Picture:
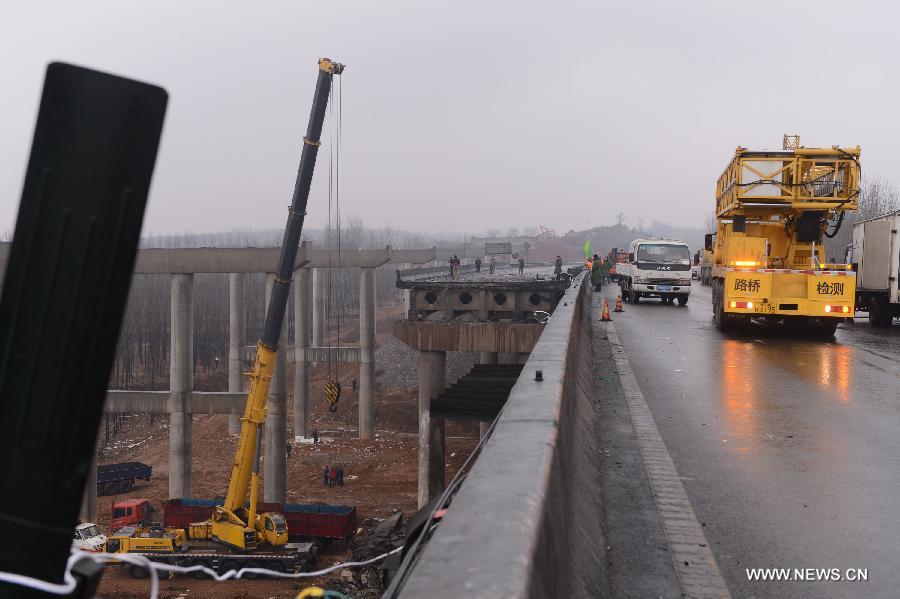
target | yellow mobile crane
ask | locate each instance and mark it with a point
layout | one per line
(236, 537)
(231, 523)
(773, 209)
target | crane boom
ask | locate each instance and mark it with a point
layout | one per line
(226, 525)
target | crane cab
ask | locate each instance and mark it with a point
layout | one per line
(273, 528)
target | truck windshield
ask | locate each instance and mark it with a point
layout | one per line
(663, 253)
(118, 512)
(90, 531)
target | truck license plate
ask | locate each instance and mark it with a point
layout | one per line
(664, 287)
(764, 308)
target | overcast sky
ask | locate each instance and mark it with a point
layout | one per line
(465, 116)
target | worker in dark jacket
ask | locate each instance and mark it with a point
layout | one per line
(477, 264)
(557, 268)
(325, 475)
(597, 273)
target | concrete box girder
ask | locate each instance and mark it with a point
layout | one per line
(468, 336)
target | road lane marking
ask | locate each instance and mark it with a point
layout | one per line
(694, 562)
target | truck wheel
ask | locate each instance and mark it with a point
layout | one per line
(228, 565)
(719, 318)
(125, 486)
(879, 313)
(827, 329)
(275, 566)
(198, 574)
(682, 300)
(633, 296)
(821, 327)
(252, 575)
(139, 572)
(110, 488)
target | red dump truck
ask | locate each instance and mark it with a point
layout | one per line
(306, 522)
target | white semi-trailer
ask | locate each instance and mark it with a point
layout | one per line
(875, 256)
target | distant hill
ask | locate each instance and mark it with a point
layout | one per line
(604, 238)
(620, 236)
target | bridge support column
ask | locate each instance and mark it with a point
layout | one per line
(367, 353)
(318, 311)
(302, 297)
(181, 384)
(235, 340)
(276, 418)
(89, 500)
(486, 357)
(432, 379)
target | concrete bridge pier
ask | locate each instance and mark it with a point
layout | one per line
(302, 297)
(181, 384)
(367, 353)
(274, 475)
(432, 380)
(235, 340)
(320, 291)
(89, 500)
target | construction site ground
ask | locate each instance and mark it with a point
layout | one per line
(380, 474)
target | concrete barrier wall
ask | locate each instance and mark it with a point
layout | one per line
(527, 520)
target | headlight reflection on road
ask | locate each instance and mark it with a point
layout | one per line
(834, 369)
(738, 392)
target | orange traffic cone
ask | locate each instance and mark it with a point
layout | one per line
(619, 304)
(605, 315)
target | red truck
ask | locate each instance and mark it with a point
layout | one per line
(131, 512)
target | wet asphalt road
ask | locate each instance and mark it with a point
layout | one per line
(788, 447)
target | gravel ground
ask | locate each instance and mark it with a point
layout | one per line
(398, 365)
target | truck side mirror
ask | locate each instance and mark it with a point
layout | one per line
(631, 256)
(739, 223)
(707, 242)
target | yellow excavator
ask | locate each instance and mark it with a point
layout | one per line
(231, 523)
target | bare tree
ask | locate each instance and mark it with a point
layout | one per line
(877, 196)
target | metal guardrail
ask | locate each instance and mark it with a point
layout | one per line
(526, 521)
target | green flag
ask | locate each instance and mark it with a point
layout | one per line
(587, 248)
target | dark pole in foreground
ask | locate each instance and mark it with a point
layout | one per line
(64, 295)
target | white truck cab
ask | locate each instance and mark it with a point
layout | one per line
(657, 268)
(88, 537)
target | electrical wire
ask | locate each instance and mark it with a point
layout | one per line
(69, 583)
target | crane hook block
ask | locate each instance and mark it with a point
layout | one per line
(332, 391)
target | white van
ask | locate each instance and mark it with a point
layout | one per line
(657, 268)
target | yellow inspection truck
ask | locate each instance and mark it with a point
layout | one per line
(774, 208)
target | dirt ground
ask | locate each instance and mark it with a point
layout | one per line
(380, 474)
